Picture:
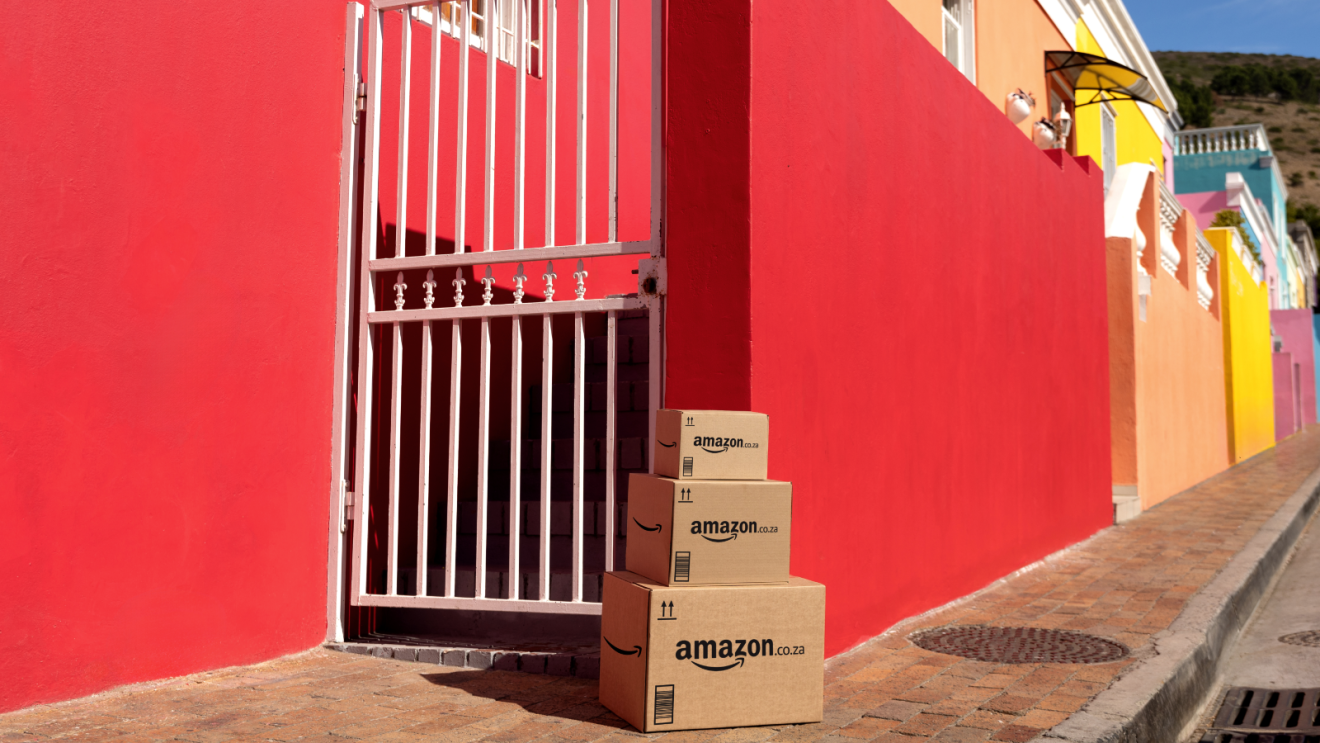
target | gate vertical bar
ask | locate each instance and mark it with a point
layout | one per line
(367, 287)
(483, 453)
(456, 333)
(400, 235)
(405, 94)
(580, 208)
(490, 29)
(549, 61)
(521, 19)
(611, 383)
(451, 491)
(460, 186)
(579, 402)
(424, 446)
(396, 405)
(547, 413)
(515, 462)
(348, 175)
(655, 315)
(428, 347)
(614, 121)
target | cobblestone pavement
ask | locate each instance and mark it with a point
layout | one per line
(1127, 583)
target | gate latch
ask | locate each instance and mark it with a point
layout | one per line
(652, 278)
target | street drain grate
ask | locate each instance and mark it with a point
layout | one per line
(1019, 645)
(1307, 639)
(1267, 716)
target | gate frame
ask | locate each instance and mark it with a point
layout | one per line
(652, 271)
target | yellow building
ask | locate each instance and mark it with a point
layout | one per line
(1244, 305)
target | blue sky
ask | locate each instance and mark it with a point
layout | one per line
(1261, 26)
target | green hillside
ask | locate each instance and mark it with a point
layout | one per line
(1228, 89)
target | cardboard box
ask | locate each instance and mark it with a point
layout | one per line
(703, 532)
(711, 444)
(712, 656)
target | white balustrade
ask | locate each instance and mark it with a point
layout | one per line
(1170, 211)
(1204, 254)
(1223, 139)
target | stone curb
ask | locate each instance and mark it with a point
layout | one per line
(1159, 698)
(552, 664)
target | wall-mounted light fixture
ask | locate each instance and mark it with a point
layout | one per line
(1063, 127)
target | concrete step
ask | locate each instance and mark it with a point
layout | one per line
(581, 662)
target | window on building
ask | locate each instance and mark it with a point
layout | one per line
(959, 36)
(506, 35)
(1108, 145)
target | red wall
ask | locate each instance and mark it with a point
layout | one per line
(924, 311)
(170, 190)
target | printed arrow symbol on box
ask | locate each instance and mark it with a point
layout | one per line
(717, 668)
(657, 527)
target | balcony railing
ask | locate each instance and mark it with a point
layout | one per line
(1204, 254)
(1223, 139)
(1170, 210)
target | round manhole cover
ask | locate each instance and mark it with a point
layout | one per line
(1307, 639)
(1019, 645)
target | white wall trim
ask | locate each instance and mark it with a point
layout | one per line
(1124, 199)
(1064, 14)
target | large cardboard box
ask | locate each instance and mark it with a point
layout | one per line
(712, 656)
(703, 532)
(711, 444)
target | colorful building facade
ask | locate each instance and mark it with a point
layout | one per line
(1248, 347)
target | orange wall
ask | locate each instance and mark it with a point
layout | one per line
(1168, 414)
(924, 15)
(1012, 37)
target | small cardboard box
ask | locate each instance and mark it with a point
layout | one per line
(711, 444)
(704, 532)
(712, 656)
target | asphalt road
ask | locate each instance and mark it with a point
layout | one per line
(1259, 659)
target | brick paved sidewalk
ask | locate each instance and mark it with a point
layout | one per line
(1127, 583)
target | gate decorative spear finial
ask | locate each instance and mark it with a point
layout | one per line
(399, 286)
(549, 277)
(430, 288)
(458, 283)
(580, 275)
(518, 280)
(487, 295)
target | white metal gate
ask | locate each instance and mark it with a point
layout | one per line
(382, 321)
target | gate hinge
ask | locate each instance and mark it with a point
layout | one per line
(346, 497)
(360, 103)
(652, 278)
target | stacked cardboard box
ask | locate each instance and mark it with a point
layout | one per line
(709, 629)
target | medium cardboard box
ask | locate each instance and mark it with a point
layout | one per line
(703, 532)
(712, 656)
(711, 444)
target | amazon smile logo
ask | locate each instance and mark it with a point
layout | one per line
(657, 527)
(724, 531)
(728, 654)
(667, 446)
(637, 649)
(719, 445)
